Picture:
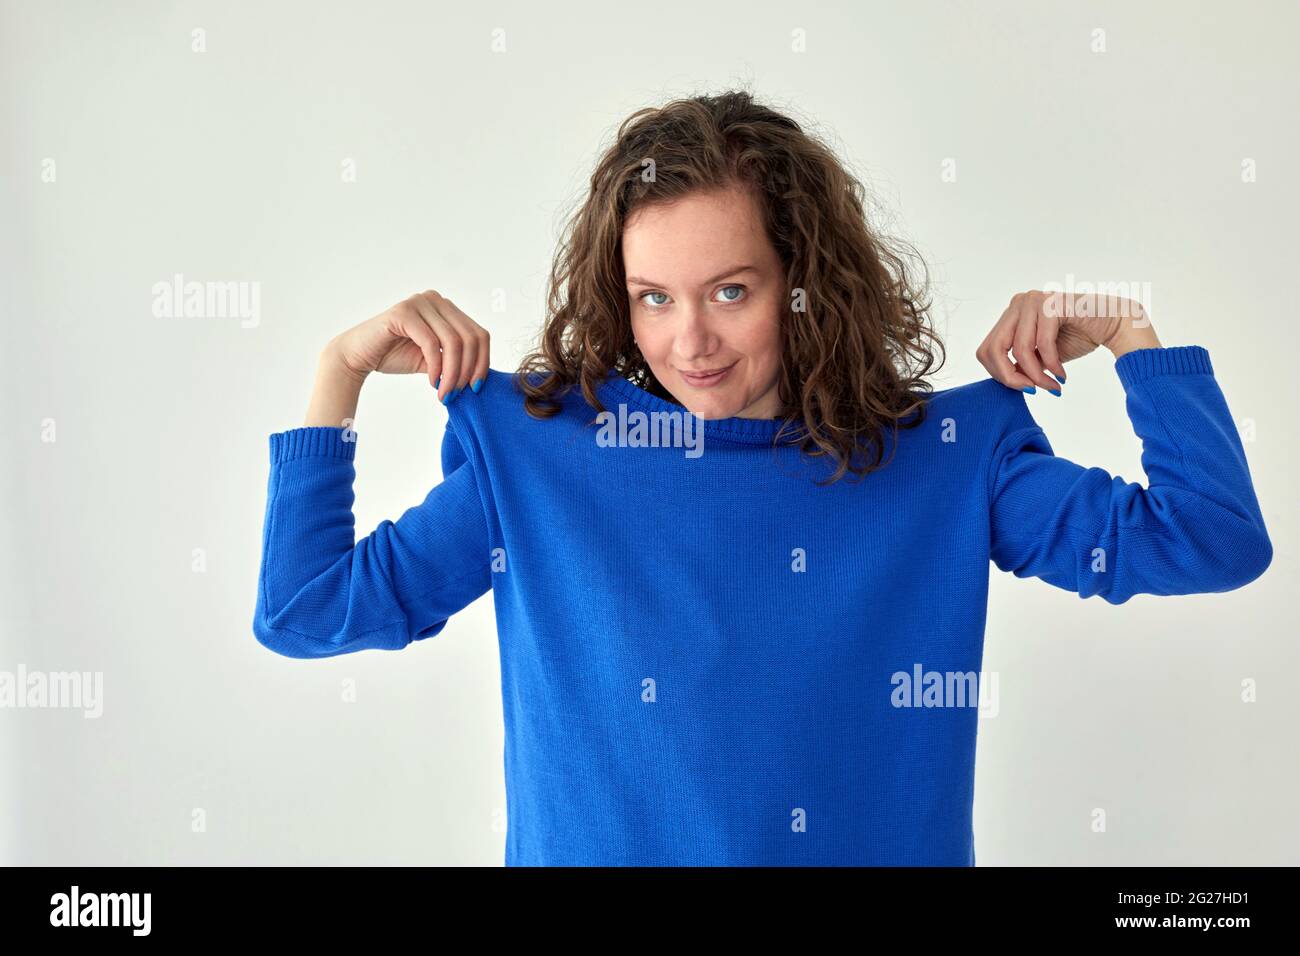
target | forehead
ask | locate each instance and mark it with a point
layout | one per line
(693, 236)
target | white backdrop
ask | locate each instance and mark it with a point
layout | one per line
(338, 158)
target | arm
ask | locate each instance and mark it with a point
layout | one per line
(320, 594)
(1196, 527)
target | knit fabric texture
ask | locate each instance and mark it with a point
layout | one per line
(709, 659)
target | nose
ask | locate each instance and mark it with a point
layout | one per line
(695, 338)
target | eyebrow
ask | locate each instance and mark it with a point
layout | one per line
(734, 270)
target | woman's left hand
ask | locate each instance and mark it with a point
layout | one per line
(1044, 330)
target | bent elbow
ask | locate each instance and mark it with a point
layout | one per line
(348, 638)
(1211, 567)
(1238, 566)
(1220, 549)
(286, 641)
(1254, 560)
(279, 641)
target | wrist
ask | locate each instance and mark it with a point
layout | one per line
(1134, 332)
(331, 364)
(336, 392)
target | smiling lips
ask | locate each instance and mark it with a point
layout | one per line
(705, 379)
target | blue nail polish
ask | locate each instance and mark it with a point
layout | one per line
(478, 383)
(1030, 389)
(452, 397)
(1059, 378)
(437, 383)
(1055, 391)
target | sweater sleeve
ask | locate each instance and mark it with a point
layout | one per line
(1195, 528)
(320, 594)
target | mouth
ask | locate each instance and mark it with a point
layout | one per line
(706, 378)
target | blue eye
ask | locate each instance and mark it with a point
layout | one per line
(740, 289)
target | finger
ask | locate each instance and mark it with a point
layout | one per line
(417, 330)
(1049, 329)
(992, 353)
(477, 366)
(448, 340)
(1024, 347)
(464, 327)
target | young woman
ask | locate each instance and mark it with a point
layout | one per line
(739, 549)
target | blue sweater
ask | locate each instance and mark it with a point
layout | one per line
(706, 658)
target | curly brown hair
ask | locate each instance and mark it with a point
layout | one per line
(854, 356)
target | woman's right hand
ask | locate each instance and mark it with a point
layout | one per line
(427, 334)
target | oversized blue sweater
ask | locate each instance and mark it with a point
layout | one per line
(708, 659)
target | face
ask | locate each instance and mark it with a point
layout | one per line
(706, 291)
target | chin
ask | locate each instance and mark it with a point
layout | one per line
(712, 410)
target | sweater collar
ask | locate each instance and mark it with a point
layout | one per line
(750, 431)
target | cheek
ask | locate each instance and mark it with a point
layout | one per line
(647, 339)
(761, 340)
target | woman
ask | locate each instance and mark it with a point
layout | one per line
(738, 548)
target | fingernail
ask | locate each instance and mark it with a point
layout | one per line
(452, 397)
(1055, 391)
(437, 383)
(1029, 388)
(478, 383)
(1059, 378)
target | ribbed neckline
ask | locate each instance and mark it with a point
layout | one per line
(751, 431)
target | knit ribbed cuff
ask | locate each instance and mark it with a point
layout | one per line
(319, 441)
(1142, 364)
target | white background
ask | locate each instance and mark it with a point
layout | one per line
(1122, 165)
